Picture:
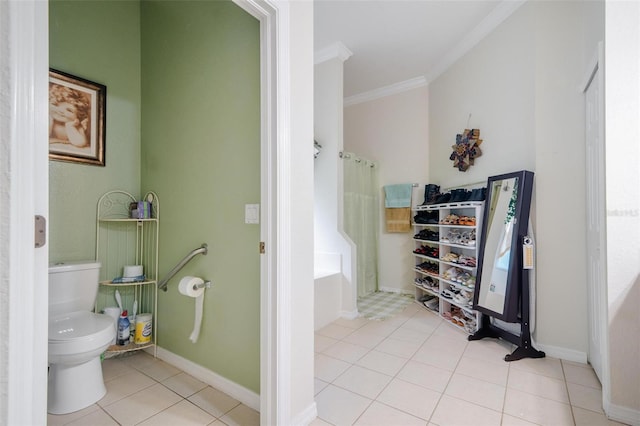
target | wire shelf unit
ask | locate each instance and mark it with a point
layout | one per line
(120, 241)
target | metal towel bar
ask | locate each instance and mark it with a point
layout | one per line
(203, 249)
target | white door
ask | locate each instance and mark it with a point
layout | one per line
(23, 268)
(596, 274)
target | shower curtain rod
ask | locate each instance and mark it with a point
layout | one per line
(345, 155)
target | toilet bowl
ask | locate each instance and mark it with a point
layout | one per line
(76, 341)
(77, 338)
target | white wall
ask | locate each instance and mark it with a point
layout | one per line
(393, 132)
(494, 83)
(328, 189)
(560, 158)
(521, 85)
(300, 210)
(622, 68)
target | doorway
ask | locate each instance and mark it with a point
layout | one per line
(31, 68)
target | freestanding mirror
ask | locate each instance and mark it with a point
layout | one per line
(502, 290)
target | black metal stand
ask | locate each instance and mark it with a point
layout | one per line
(523, 341)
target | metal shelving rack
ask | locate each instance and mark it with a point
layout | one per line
(122, 240)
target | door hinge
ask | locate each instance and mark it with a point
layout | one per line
(261, 247)
(40, 237)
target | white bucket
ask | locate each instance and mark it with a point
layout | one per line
(113, 312)
(144, 327)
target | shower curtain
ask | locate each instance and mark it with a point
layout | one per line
(361, 209)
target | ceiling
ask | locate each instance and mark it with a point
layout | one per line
(394, 41)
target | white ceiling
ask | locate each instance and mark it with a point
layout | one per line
(398, 40)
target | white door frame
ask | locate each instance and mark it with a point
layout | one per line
(28, 42)
(595, 75)
(275, 308)
(24, 30)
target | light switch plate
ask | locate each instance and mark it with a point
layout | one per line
(252, 213)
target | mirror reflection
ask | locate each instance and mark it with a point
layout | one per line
(498, 243)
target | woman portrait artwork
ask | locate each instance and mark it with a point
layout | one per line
(76, 119)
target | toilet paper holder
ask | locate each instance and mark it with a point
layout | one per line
(206, 284)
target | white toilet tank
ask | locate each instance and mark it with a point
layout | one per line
(73, 286)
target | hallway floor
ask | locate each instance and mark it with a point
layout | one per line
(412, 369)
(416, 369)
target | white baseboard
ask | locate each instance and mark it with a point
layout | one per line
(349, 314)
(621, 414)
(234, 390)
(306, 416)
(562, 353)
(396, 290)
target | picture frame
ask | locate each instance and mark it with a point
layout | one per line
(77, 119)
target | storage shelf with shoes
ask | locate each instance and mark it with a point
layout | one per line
(445, 253)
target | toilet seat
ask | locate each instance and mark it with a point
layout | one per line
(79, 332)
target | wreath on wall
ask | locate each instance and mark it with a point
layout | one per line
(466, 149)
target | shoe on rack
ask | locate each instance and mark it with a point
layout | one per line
(470, 283)
(432, 304)
(443, 198)
(450, 257)
(420, 235)
(452, 237)
(455, 196)
(432, 217)
(451, 219)
(426, 297)
(451, 273)
(478, 194)
(431, 192)
(461, 298)
(421, 217)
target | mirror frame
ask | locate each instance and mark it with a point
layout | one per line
(515, 277)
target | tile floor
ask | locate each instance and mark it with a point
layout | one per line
(142, 390)
(416, 369)
(412, 369)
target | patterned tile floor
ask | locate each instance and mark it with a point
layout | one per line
(412, 369)
(382, 305)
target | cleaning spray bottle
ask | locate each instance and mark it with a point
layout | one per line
(123, 329)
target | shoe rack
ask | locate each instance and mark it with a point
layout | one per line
(446, 252)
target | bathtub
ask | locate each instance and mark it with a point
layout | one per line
(328, 281)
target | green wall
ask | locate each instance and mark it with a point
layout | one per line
(183, 120)
(201, 154)
(98, 41)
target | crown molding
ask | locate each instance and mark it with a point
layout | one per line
(501, 12)
(333, 51)
(385, 91)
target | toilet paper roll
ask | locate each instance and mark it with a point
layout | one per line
(132, 271)
(188, 288)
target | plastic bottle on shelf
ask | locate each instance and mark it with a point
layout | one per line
(123, 329)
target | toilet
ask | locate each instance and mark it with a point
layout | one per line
(77, 337)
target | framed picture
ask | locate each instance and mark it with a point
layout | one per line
(77, 110)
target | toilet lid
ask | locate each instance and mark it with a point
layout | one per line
(79, 326)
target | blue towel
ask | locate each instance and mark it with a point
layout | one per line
(121, 280)
(397, 195)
